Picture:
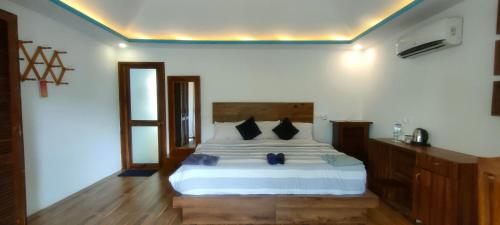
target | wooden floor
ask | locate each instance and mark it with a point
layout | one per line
(141, 201)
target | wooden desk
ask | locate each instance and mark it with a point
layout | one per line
(435, 186)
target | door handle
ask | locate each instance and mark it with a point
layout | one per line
(19, 130)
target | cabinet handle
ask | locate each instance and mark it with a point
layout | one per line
(436, 164)
(417, 177)
(491, 192)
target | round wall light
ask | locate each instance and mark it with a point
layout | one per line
(122, 45)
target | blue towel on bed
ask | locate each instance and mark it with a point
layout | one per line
(201, 159)
(341, 160)
(274, 159)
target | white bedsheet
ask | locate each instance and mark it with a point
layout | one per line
(243, 170)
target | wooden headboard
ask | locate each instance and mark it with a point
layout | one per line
(262, 111)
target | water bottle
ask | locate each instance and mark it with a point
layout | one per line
(397, 131)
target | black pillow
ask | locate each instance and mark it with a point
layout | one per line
(249, 129)
(285, 130)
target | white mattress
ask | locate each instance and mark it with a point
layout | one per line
(243, 170)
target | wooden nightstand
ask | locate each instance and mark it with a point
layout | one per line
(351, 138)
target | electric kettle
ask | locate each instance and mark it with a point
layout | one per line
(420, 137)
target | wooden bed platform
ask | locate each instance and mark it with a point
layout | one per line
(276, 209)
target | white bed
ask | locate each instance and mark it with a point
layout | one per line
(243, 189)
(243, 170)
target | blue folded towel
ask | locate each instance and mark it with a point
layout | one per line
(201, 159)
(274, 159)
(341, 160)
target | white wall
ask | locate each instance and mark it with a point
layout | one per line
(448, 92)
(321, 75)
(71, 138)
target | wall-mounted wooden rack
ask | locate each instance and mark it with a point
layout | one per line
(49, 75)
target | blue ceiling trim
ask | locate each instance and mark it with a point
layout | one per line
(270, 42)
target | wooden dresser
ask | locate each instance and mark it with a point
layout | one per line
(351, 137)
(430, 185)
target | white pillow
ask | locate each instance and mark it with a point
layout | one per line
(305, 131)
(266, 127)
(227, 131)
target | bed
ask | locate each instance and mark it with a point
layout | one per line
(244, 189)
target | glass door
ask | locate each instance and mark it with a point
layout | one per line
(142, 109)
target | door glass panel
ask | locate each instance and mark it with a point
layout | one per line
(143, 98)
(145, 145)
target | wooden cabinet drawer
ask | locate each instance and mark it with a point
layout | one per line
(437, 165)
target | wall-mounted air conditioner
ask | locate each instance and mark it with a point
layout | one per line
(432, 37)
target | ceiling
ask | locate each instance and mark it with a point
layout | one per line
(239, 21)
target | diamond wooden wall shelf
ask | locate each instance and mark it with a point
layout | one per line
(54, 71)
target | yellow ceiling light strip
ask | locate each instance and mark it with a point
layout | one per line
(387, 14)
(77, 5)
(77, 8)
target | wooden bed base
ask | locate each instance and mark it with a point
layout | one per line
(276, 209)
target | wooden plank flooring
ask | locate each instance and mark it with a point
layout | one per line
(141, 201)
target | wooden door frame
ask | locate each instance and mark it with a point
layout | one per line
(125, 131)
(16, 116)
(171, 119)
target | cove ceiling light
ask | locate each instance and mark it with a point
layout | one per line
(144, 21)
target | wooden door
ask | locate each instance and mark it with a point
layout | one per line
(442, 201)
(142, 114)
(434, 199)
(489, 191)
(422, 195)
(12, 184)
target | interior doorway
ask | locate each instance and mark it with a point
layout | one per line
(184, 109)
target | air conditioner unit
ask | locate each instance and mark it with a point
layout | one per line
(432, 37)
